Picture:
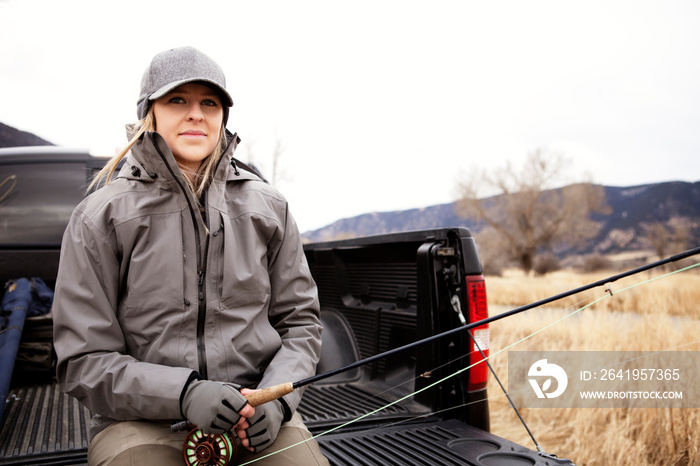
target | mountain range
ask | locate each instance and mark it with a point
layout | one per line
(625, 229)
(12, 137)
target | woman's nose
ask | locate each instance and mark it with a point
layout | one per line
(195, 112)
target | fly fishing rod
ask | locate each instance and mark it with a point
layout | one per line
(203, 449)
(432, 338)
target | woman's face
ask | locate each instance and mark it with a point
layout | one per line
(189, 118)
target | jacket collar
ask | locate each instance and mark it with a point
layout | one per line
(151, 160)
(235, 169)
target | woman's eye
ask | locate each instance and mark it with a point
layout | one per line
(176, 100)
(209, 103)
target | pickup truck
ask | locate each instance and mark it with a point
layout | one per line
(376, 293)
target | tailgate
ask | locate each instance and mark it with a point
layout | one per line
(439, 443)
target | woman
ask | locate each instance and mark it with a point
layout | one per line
(181, 281)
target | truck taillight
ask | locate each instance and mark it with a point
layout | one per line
(478, 310)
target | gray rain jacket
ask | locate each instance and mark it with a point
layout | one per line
(150, 289)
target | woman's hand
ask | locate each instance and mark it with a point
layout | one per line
(243, 424)
(259, 431)
(216, 407)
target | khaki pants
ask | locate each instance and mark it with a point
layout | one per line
(135, 443)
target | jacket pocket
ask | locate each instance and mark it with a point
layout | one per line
(245, 282)
(152, 309)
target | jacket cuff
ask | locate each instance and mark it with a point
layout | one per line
(287, 412)
(193, 376)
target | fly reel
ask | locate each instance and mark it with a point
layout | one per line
(202, 449)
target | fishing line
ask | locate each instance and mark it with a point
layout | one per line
(506, 348)
(428, 373)
(504, 395)
(500, 396)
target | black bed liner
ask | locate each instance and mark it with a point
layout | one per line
(43, 426)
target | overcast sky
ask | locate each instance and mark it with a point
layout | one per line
(380, 105)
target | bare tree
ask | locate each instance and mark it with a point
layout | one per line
(491, 247)
(667, 238)
(526, 211)
(657, 235)
(277, 151)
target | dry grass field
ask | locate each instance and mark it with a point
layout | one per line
(662, 314)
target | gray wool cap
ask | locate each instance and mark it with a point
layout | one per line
(174, 67)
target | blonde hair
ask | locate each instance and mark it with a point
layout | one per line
(197, 183)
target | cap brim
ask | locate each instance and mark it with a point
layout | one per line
(225, 97)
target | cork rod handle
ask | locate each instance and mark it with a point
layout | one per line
(259, 397)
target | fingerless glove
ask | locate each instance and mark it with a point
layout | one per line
(214, 407)
(265, 424)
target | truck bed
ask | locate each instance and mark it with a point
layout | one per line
(42, 426)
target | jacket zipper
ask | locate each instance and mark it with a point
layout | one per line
(202, 295)
(201, 270)
(201, 260)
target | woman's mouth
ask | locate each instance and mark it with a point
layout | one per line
(193, 133)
